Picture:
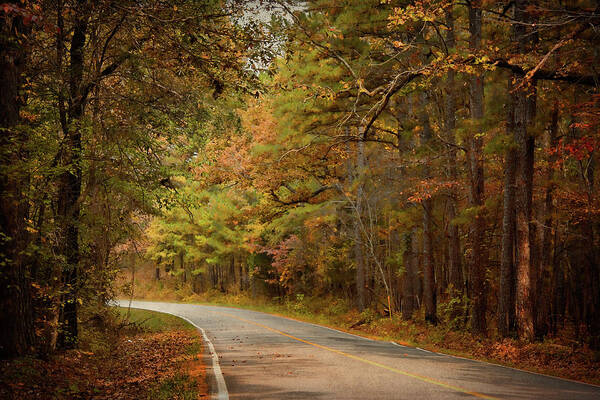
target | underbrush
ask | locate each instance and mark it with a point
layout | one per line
(556, 356)
(140, 354)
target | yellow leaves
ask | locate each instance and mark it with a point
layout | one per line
(415, 13)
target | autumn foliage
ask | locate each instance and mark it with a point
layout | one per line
(426, 160)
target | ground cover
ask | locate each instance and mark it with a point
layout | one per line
(124, 354)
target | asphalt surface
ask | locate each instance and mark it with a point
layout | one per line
(263, 356)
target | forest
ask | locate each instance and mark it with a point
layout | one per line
(429, 160)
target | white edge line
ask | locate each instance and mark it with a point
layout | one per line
(426, 351)
(222, 393)
(284, 317)
(522, 370)
(217, 368)
(335, 330)
(400, 345)
(489, 363)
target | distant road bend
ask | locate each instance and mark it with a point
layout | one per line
(262, 356)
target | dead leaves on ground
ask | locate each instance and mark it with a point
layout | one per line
(134, 367)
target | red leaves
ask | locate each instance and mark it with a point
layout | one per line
(587, 124)
(579, 149)
(281, 252)
(13, 9)
(28, 17)
(9, 8)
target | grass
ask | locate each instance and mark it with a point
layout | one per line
(153, 321)
(180, 386)
(125, 354)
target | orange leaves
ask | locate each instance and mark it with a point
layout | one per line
(426, 189)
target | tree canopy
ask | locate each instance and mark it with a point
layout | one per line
(408, 156)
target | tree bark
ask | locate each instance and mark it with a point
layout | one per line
(241, 271)
(477, 265)
(521, 97)
(16, 311)
(70, 181)
(409, 288)
(506, 298)
(455, 274)
(233, 281)
(429, 284)
(543, 324)
(359, 255)
(182, 265)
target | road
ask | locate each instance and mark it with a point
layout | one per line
(262, 356)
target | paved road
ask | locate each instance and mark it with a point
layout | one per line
(267, 357)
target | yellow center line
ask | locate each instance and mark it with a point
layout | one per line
(364, 360)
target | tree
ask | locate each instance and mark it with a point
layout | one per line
(106, 84)
(16, 317)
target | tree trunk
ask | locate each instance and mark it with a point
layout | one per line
(232, 271)
(521, 94)
(242, 277)
(592, 258)
(506, 299)
(409, 303)
(543, 324)
(16, 311)
(524, 314)
(477, 265)
(359, 255)
(455, 275)
(429, 284)
(70, 182)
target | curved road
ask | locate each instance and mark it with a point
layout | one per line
(263, 356)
